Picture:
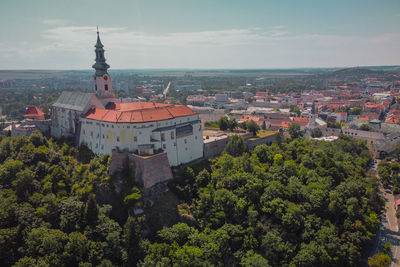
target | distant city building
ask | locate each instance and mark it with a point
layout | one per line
(221, 100)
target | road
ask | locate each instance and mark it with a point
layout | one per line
(165, 92)
(389, 229)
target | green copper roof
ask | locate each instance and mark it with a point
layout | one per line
(313, 108)
(100, 66)
(98, 43)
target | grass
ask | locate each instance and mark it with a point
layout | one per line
(262, 134)
(265, 133)
(211, 124)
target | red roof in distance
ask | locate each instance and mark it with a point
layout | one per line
(33, 111)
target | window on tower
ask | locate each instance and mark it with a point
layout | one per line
(95, 87)
(106, 87)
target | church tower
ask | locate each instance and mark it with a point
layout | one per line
(311, 122)
(102, 80)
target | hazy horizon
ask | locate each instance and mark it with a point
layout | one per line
(210, 69)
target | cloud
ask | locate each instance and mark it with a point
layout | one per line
(64, 47)
(73, 36)
(278, 27)
(53, 22)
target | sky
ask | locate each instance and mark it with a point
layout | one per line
(199, 34)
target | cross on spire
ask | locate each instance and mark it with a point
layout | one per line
(100, 66)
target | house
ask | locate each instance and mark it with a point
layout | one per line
(33, 113)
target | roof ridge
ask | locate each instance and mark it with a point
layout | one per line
(130, 118)
(104, 113)
(141, 114)
(169, 112)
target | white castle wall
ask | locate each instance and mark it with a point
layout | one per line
(101, 137)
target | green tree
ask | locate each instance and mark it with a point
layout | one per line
(8, 245)
(379, 260)
(294, 130)
(25, 184)
(355, 111)
(77, 249)
(384, 172)
(70, 210)
(316, 133)
(296, 110)
(177, 233)
(233, 124)
(133, 198)
(254, 260)
(223, 123)
(264, 125)
(132, 241)
(91, 211)
(364, 127)
(49, 243)
(252, 127)
(235, 146)
(9, 170)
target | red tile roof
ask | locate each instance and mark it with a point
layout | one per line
(392, 120)
(300, 119)
(134, 106)
(373, 106)
(138, 112)
(33, 111)
(250, 117)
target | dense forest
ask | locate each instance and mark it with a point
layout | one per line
(300, 203)
(297, 203)
(49, 215)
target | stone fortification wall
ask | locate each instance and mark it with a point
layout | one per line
(215, 148)
(41, 125)
(251, 144)
(118, 161)
(330, 131)
(22, 130)
(149, 170)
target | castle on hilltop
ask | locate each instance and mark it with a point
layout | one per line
(105, 124)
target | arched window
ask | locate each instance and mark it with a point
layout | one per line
(106, 87)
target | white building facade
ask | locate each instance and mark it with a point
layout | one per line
(181, 137)
(102, 123)
(67, 110)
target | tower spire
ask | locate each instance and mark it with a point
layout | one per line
(313, 111)
(102, 80)
(100, 66)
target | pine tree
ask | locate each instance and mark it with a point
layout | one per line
(132, 241)
(91, 211)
